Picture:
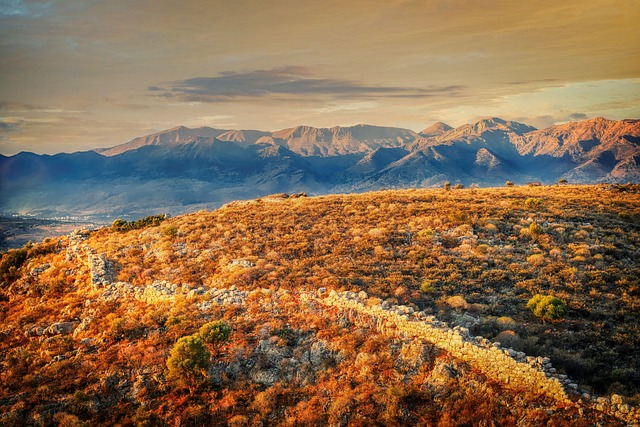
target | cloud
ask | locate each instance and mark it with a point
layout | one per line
(12, 7)
(21, 107)
(6, 127)
(578, 116)
(17, 106)
(285, 81)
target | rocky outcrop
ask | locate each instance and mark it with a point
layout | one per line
(62, 328)
(271, 361)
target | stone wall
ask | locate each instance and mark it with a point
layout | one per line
(513, 369)
(164, 291)
(506, 366)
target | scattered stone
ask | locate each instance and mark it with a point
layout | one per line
(62, 328)
(34, 331)
(38, 270)
(101, 271)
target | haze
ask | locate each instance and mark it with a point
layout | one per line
(77, 75)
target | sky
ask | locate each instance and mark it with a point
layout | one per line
(82, 74)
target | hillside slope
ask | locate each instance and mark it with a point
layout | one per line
(344, 310)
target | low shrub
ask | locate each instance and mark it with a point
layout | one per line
(215, 332)
(150, 221)
(547, 307)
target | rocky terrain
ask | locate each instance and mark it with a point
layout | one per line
(396, 307)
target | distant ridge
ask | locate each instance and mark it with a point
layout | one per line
(436, 129)
(182, 169)
(182, 134)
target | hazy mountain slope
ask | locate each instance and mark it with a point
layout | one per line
(242, 137)
(172, 136)
(602, 150)
(481, 153)
(190, 168)
(198, 172)
(377, 160)
(310, 141)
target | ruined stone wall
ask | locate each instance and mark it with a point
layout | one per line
(514, 369)
(499, 364)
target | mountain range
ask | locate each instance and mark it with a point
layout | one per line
(183, 169)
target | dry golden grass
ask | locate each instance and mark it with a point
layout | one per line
(484, 252)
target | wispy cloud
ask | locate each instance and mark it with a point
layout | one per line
(20, 107)
(12, 7)
(578, 116)
(285, 81)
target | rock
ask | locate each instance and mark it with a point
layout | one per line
(62, 328)
(616, 399)
(37, 270)
(508, 338)
(443, 373)
(267, 377)
(319, 353)
(34, 331)
(101, 270)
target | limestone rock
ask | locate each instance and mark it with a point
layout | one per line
(62, 328)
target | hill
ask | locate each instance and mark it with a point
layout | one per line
(184, 170)
(400, 307)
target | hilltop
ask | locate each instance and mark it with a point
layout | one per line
(398, 307)
(184, 170)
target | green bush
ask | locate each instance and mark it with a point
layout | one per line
(215, 332)
(170, 231)
(427, 286)
(547, 307)
(150, 221)
(533, 202)
(188, 361)
(11, 262)
(535, 229)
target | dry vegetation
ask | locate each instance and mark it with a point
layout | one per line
(472, 257)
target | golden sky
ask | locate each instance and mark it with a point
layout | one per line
(82, 74)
